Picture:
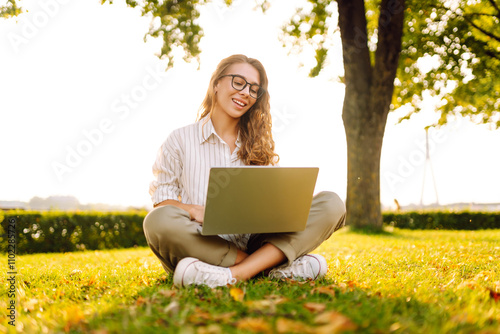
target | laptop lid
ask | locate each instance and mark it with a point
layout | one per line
(258, 199)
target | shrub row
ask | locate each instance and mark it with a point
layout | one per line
(46, 232)
(441, 220)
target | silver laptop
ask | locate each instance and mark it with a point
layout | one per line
(256, 199)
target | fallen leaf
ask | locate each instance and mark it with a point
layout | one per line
(73, 316)
(199, 317)
(224, 317)
(326, 290)
(260, 304)
(237, 294)
(141, 300)
(210, 329)
(167, 293)
(333, 322)
(394, 327)
(355, 284)
(284, 325)
(315, 307)
(254, 325)
(277, 299)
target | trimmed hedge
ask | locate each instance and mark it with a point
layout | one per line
(47, 232)
(440, 220)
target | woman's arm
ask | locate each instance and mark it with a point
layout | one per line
(196, 212)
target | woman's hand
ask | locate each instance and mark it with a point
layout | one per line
(197, 212)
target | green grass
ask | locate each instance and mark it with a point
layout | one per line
(401, 282)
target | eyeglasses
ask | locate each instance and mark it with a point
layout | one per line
(239, 83)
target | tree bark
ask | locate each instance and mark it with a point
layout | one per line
(368, 95)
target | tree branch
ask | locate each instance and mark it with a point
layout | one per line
(487, 33)
(494, 4)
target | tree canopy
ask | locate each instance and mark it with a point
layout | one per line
(450, 49)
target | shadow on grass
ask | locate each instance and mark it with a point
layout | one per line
(163, 308)
(370, 230)
(388, 231)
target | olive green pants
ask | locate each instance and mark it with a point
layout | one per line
(172, 235)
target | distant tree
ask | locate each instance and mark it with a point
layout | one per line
(384, 43)
(38, 203)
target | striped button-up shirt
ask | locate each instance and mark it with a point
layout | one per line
(183, 164)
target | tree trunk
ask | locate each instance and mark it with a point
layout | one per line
(368, 95)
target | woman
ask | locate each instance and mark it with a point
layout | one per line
(234, 129)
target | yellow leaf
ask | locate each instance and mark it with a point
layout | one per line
(237, 294)
(73, 316)
(258, 325)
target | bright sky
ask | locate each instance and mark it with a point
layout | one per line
(85, 105)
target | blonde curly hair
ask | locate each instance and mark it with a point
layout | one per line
(255, 125)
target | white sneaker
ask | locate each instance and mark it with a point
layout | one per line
(310, 266)
(193, 271)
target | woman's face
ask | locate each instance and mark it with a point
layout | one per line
(230, 101)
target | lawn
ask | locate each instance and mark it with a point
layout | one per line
(398, 282)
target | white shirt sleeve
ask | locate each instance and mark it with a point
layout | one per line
(167, 171)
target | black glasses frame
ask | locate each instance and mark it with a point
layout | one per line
(260, 90)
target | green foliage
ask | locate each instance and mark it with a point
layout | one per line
(176, 22)
(463, 42)
(401, 282)
(312, 27)
(439, 220)
(10, 9)
(38, 232)
(459, 40)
